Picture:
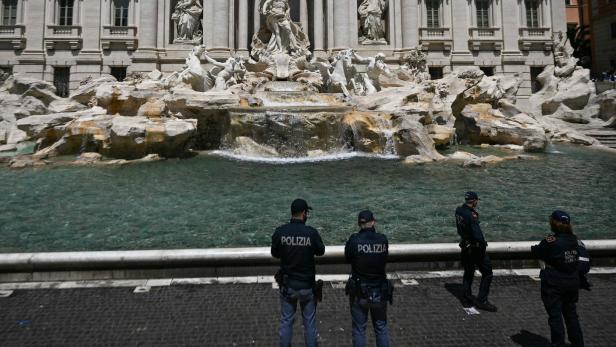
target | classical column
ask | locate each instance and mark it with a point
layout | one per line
(303, 14)
(148, 25)
(510, 27)
(242, 28)
(220, 40)
(318, 22)
(341, 24)
(32, 60)
(459, 32)
(257, 16)
(559, 20)
(410, 23)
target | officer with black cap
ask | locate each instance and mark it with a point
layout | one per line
(296, 244)
(474, 254)
(566, 263)
(368, 287)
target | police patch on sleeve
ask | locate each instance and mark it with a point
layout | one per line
(550, 238)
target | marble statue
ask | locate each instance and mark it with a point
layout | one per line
(279, 35)
(187, 18)
(278, 21)
(224, 75)
(372, 22)
(368, 82)
(563, 56)
(192, 74)
(414, 67)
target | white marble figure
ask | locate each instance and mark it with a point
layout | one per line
(341, 74)
(564, 60)
(226, 74)
(187, 18)
(369, 80)
(278, 21)
(192, 74)
(414, 68)
(372, 23)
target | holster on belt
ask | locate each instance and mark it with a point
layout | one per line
(282, 280)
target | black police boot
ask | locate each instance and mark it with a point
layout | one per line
(486, 306)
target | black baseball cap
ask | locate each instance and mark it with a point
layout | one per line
(365, 217)
(561, 216)
(469, 196)
(299, 205)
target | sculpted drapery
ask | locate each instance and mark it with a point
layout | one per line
(187, 18)
(278, 21)
(372, 23)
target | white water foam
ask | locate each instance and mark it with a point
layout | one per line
(301, 160)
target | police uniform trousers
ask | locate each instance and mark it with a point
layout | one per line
(288, 306)
(559, 302)
(476, 259)
(360, 308)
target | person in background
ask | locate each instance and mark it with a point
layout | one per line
(368, 287)
(296, 245)
(566, 265)
(473, 254)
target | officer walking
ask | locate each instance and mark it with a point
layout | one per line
(566, 264)
(368, 287)
(296, 244)
(473, 253)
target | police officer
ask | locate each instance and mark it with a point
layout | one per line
(566, 261)
(473, 254)
(296, 244)
(368, 288)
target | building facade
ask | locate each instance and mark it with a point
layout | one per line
(65, 41)
(603, 29)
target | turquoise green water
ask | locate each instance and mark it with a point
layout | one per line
(211, 201)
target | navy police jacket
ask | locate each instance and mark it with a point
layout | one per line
(296, 244)
(467, 223)
(561, 253)
(367, 253)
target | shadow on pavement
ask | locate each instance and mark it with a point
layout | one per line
(527, 339)
(457, 290)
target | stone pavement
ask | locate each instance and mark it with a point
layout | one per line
(426, 314)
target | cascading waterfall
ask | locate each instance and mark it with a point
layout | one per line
(386, 128)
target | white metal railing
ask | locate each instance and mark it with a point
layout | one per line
(64, 30)
(483, 32)
(12, 262)
(434, 33)
(534, 32)
(119, 31)
(11, 30)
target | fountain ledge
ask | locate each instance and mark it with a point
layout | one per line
(257, 256)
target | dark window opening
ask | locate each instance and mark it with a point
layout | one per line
(535, 85)
(61, 79)
(436, 73)
(433, 8)
(483, 13)
(532, 13)
(66, 12)
(9, 12)
(120, 13)
(119, 72)
(488, 70)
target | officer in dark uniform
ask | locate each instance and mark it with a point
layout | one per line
(296, 244)
(566, 262)
(368, 287)
(473, 253)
